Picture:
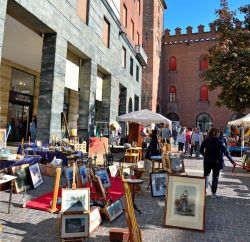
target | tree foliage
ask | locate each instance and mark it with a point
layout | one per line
(229, 59)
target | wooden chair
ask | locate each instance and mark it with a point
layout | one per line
(81, 147)
(133, 228)
(131, 155)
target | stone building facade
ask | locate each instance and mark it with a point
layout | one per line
(78, 62)
(153, 11)
(185, 97)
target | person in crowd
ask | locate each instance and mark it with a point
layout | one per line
(188, 141)
(154, 147)
(196, 140)
(33, 126)
(181, 139)
(166, 134)
(174, 133)
(213, 149)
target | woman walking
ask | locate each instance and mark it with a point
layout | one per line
(213, 149)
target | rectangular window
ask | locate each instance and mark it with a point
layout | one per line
(106, 32)
(131, 66)
(132, 30)
(172, 97)
(124, 16)
(139, 7)
(137, 73)
(124, 57)
(138, 38)
(82, 10)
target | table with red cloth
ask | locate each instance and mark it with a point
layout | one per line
(115, 192)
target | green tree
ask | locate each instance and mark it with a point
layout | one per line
(229, 59)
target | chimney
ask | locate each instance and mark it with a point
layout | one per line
(200, 29)
(189, 29)
(212, 28)
(178, 31)
(167, 33)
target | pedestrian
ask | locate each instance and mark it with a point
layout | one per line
(188, 141)
(181, 139)
(166, 134)
(33, 129)
(213, 149)
(154, 147)
(175, 133)
(196, 140)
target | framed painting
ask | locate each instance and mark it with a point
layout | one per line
(185, 203)
(23, 180)
(83, 174)
(158, 184)
(103, 174)
(176, 162)
(75, 225)
(114, 210)
(94, 218)
(36, 176)
(77, 200)
(69, 176)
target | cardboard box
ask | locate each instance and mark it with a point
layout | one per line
(118, 234)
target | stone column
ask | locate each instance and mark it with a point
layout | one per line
(106, 96)
(87, 83)
(52, 81)
(73, 109)
(3, 8)
(114, 98)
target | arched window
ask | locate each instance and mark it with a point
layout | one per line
(130, 105)
(172, 94)
(203, 63)
(204, 122)
(173, 117)
(236, 116)
(204, 93)
(172, 63)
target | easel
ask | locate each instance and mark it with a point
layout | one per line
(66, 126)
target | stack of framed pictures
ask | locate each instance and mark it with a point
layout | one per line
(185, 202)
(77, 220)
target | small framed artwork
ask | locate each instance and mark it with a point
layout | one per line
(94, 218)
(69, 176)
(176, 160)
(158, 184)
(103, 174)
(77, 200)
(83, 175)
(113, 170)
(36, 176)
(23, 180)
(185, 203)
(114, 210)
(75, 225)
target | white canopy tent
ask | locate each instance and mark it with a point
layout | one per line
(243, 122)
(145, 117)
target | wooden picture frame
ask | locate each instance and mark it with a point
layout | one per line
(36, 176)
(158, 184)
(103, 174)
(186, 202)
(23, 180)
(114, 210)
(75, 201)
(95, 219)
(75, 225)
(175, 162)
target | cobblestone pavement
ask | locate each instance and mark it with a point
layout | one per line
(227, 216)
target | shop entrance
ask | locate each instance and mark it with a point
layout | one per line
(19, 118)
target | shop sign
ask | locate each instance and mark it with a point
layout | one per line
(20, 98)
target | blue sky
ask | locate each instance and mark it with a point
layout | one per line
(182, 13)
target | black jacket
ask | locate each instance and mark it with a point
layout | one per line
(213, 149)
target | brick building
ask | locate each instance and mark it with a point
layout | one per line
(185, 97)
(71, 57)
(152, 34)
